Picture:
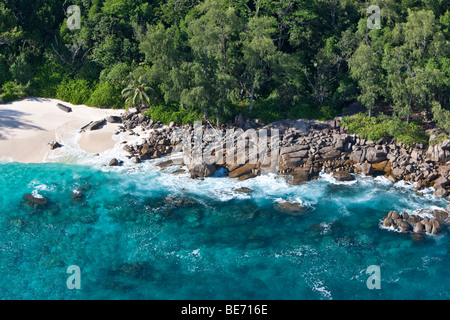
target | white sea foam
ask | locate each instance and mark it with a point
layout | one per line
(37, 187)
(36, 194)
(322, 289)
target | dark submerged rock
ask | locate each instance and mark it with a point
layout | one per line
(35, 202)
(290, 208)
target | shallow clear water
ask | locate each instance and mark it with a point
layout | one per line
(139, 233)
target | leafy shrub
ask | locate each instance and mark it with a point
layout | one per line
(303, 111)
(168, 113)
(106, 95)
(13, 91)
(5, 75)
(46, 80)
(308, 111)
(21, 70)
(327, 113)
(74, 91)
(441, 116)
(374, 128)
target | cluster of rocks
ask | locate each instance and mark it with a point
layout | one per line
(131, 120)
(403, 222)
(156, 144)
(305, 148)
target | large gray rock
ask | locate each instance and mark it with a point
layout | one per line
(436, 152)
(366, 168)
(201, 170)
(419, 228)
(358, 156)
(388, 222)
(242, 170)
(243, 190)
(113, 163)
(402, 225)
(294, 148)
(398, 172)
(330, 155)
(436, 226)
(291, 208)
(441, 181)
(414, 219)
(96, 125)
(113, 119)
(440, 215)
(394, 215)
(64, 108)
(441, 192)
(343, 176)
(297, 154)
(375, 156)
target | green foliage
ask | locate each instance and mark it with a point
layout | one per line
(168, 113)
(21, 70)
(374, 128)
(13, 91)
(106, 95)
(5, 75)
(266, 59)
(304, 111)
(77, 91)
(47, 77)
(441, 116)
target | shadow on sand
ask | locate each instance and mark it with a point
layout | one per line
(13, 119)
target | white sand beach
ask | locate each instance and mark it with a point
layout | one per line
(28, 125)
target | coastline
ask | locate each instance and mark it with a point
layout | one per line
(28, 125)
(306, 147)
(121, 224)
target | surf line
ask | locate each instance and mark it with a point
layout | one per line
(198, 310)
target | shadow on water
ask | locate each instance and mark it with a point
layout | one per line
(11, 119)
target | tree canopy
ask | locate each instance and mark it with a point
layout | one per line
(266, 59)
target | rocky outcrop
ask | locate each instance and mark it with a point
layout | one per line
(54, 145)
(304, 149)
(343, 176)
(201, 170)
(243, 190)
(95, 125)
(114, 162)
(290, 208)
(113, 119)
(402, 222)
(34, 201)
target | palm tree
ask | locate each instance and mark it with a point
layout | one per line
(136, 93)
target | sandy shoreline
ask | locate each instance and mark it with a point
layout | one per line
(28, 125)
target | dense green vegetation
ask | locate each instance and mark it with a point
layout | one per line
(374, 128)
(218, 58)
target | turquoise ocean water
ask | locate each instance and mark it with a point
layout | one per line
(140, 233)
